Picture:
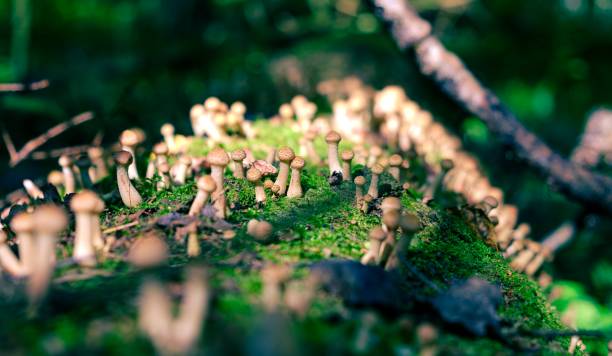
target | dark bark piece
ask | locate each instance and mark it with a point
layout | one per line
(450, 74)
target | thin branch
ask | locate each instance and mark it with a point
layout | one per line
(56, 153)
(17, 87)
(450, 74)
(33, 144)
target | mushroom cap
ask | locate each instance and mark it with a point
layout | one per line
(218, 157)
(377, 169)
(391, 203)
(253, 174)
(285, 154)
(490, 201)
(447, 164)
(268, 183)
(347, 155)
(123, 158)
(259, 230)
(185, 159)
(409, 222)
(298, 101)
(275, 188)
(49, 218)
(285, 110)
(212, 103)
(167, 129)
(55, 178)
(395, 160)
(377, 233)
(129, 138)
(160, 149)
(238, 155)
(391, 219)
(95, 152)
(264, 167)
(22, 222)
(368, 198)
(85, 201)
(148, 251)
(196, 111)
(65, 161)
(376, 151)
(163, 167)
(359, 180)
(297, 163)
(238, 107)
(207, 184)
(333, 137)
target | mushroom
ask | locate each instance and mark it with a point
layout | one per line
(359, 183)
(295, 184)
(285, 156)
(151, 167)
(167, 132)
(286, 112)
(84, 166)
(182, 167)
(395, 161)
(129, 140)
(273, 276)
(347, 157)
(261, 231)
(49, 221)
(129, 195)
(376, 170)
(218, 160)
(206, 186)
(69, 180)
(377, 236)
(238, 156)
(56, 179)
(8, 260)
(32, 189)
(84, 205)
(99, 169)
(409, 223)
(22, 225)
(254, 176)
(161, 151)
(438, 183)
(525, 256)
(365, 203)
(390, 221)
(148, 251)
(163, 170)
(375, 153)
(193, 246)
(390, 204)
(335, 171)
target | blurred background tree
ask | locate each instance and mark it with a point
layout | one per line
(143, 63)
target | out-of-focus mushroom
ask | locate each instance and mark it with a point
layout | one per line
(129, 195)
(347, 157)
(69, 180)
(218, 160)
(129, 140)
(376, 170)
(206, 186)
(295, 185)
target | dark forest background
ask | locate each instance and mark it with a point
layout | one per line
(143, 63)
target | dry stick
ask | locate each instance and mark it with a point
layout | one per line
(450, 74)
(33, 144)
(56, 153)
(120, 227)
(16, 87)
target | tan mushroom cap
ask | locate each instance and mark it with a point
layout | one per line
(395, 160)
(260, 230)
(297, 163)
(167, 129)
(490, 201)
(238, 155)
(55, 178)
(123, 158)
(268, 184)
(409, 222)
(264, 167)
(196, 110)
(285, 154)
(22, 222)
(333, 137)
(285, 110)
(129, 138)
(212, 103)
(238, 107)
(347, 155)
(185, 159)
(85, 201)
(218, 157)
(368, 198)
(95, 152)
(275, 188)
(377, 169)
(65, 161)
(359, 180)
(49, 218)
(253, 174)
(160, 149)
(148, 251)
(377, 233)
(391, 203)
(207, 184)
(391, 219)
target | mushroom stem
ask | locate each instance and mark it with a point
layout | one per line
(129, 195)
(69, 179)
(285, 156)
(271, 157)
(8, 260)
(373, 189)
(206, 185)
(295, 184)
(332, 139)
(83, 251)
(32, 189)
(193, 246)
(218, 196)
(150, 173)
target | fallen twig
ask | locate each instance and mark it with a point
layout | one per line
(17, 87)
(71, 151)
(120, 227)
(33, 144)
(450, 74)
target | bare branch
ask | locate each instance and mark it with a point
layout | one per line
(17, 87)
(450, 74)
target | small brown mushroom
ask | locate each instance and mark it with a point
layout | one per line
(390, 221)
(99, 169)
(193, 246)
(218, 160)
(377, 236)
(167, 132)
(376, 170)
(366, 203)
(148, 251)
(69, 180)
(238, 156)
(182, 167)
(206, 186)
(254, 176)
(151, 166)
(161, 152)
(375, 154)
(332, 139)
(22, 225)
(163, 170)
(395, 161)
(295, 184)
(261, 231)
(56, 179)
(84, 205)
(347, 157)
(359, 183)
(285, 156)
(129, 140)
(129, 195)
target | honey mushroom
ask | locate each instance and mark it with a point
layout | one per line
(218, 160)
(206, 186)
(69, 180)
(335, 170)
(167, 132)
(56, 179)
(359, 183)
(376, 171)
(129, 140)
(84, 205)
(395, 161)
(163, 170)
(254, 176)
(129, 195)
(409, 224)
(377, 236)
(260, 230)
(347, 157)
(285, 156)
(182, 167)
(151, 166)
(99, 169)
(238, 156)
(295, 185)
